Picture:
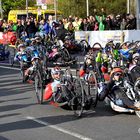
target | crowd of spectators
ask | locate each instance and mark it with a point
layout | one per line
(71, 24)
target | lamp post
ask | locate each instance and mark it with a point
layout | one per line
(138, 13)
(128, 6)
(87, 3)
(1, 10)
(55, 8)
(27, 8)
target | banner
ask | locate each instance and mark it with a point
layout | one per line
(103, 37)
(44, 2)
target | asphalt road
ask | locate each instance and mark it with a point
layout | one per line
(21, 118)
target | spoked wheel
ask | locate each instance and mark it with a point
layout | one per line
(22, 75)
(11, 56)
(39, 87)
(92, 87)
(84, 46)
(78, 100)
(65, 55)
(11, 60)
(22, 72)
(68, 78)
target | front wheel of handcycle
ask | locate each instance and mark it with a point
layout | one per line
(39, 87)
(92, 88)
(78, 99)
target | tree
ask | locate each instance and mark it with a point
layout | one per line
(78, 7)
(8, 5)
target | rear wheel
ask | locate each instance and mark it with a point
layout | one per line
(22, 72)
(65, 55)
(84, 46)
(39, 87)
(78, 99)
(92, 87)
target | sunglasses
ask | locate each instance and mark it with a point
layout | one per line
(118, 74)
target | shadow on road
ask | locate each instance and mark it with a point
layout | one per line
(3, 138)
(14, 107)
(9, 115)
(17, 99)
(24, 124)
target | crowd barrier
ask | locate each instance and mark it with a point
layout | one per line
(118, 36)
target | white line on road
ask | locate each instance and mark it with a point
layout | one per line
(59, 128)
(9, 68)
(13, 68)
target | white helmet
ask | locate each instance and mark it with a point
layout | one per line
(136, 55)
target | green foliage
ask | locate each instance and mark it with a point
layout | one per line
(73, 7)
(78, 7)
(8, 5)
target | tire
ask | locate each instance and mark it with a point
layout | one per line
(11, 60)
(97, 44)
(23, 75)
(39, 87)
(22, 72)
(11, 56)
(78, 100)
(127, 42)
(84, 47)
(65, 55)
(68, 76)
(92, 87)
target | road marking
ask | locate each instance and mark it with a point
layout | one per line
(81, 137)
(9, 68)
(13, 68)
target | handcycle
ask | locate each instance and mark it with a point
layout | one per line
(90, 87)
(70, 94)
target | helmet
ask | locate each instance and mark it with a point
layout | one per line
(20, 46)
(38, 39)
(27, 40)
(88, 56)
(56, 70)
(115, 70)
(136, 55)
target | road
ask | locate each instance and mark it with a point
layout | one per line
(21, 118)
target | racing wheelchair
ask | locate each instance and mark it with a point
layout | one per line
(71, 94)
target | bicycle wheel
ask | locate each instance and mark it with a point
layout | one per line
(22, 75)
(97, 46)
(65, 55)
(22, 72)
(84, 46)
(39, 87)
(68, 78)
(11, 56)
(78, 99)
(92, 87)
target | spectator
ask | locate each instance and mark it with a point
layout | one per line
(131, 23)
(20, 28)
(100, 20)
(76, 24)
(108, 23)
(30, 28)
(123, 24)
